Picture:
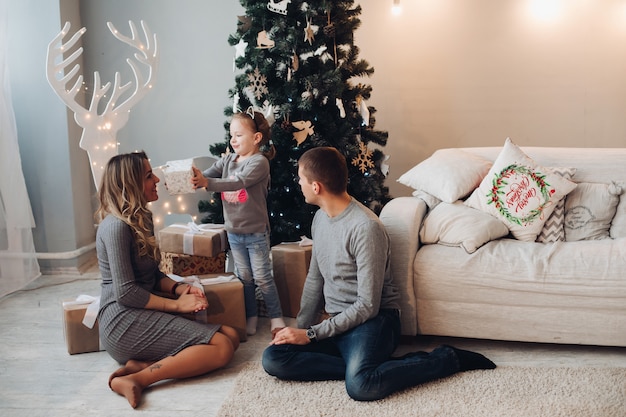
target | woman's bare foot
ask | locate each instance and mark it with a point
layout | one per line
(129, 388)
(131, 367)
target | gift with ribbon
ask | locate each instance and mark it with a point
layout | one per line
(224, 293)
(80, 324)
(193, 239)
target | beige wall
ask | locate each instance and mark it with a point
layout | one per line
(470, 73)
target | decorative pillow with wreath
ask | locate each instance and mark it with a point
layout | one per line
(519, 192)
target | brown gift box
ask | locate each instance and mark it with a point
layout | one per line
(209, 240)
(185, 265)
(290, 263)
(78, 337)
(226, 303)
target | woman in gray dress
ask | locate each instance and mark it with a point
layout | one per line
(136, 324)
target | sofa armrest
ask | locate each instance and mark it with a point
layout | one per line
(402, 218)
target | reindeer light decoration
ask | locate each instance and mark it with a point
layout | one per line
(100, 127)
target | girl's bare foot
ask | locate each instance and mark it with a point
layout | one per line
(126, 386)
(131, 367)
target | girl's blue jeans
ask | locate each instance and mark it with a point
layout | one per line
(361, 356)
(251, 255)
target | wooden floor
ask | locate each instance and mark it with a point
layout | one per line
(39, 378)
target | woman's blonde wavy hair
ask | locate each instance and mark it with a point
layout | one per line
(121, 195)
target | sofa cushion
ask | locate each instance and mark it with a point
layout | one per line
(553, 229)
(519, 192)
(459, 225)
(449, 174)
(589, 210)
(618, 225)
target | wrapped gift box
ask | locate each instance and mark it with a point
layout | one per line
(186, 265)
(224, 293)
(290, 263)
(178, 176)
(78, 337)
(193, 239)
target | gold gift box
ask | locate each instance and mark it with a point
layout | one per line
(78, 337)
(209, 240)
(290, 264)
(224, 293)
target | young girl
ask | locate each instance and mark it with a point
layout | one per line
(136, 327)
(243, 178)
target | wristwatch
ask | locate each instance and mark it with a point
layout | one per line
(310, 333)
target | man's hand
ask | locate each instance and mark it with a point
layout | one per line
(291, 336)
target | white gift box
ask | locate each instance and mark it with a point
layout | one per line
(178, 176)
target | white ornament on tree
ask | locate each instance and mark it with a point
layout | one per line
(100, 129)
(342, 111)
(240, 48)
(363, 110)
(278, 7)
(236, 108)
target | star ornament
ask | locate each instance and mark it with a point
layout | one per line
(240, 48)
(309, 32)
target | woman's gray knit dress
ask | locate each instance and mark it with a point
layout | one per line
(127, 329)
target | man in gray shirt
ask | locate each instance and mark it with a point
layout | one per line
(350, 279)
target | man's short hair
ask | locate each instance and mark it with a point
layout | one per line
(327, 166)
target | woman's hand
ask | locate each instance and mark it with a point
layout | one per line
(198, 180)
(192, 300)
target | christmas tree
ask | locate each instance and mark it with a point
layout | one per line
(296, 62)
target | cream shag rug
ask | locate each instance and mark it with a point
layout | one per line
(504, 391)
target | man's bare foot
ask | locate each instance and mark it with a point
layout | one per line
(131, 367)
(126, 386)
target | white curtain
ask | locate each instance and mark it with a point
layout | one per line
(18, 262)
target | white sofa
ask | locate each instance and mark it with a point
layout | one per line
(571, 292)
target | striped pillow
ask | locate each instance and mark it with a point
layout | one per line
(553, 229)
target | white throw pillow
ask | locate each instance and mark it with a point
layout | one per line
(553, 230)
(589, 210)
(449, 174)
(459, 225)
(519, 192)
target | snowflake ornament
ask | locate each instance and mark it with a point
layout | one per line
(364, 159)
(258, 83)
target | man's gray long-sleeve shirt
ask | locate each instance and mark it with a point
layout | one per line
(350, 274)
